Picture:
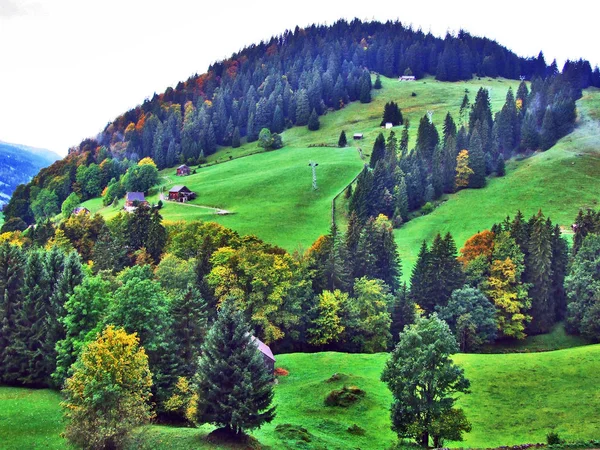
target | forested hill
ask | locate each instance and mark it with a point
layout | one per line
(18, 164)
(274, 84)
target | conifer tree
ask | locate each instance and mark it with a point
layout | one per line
(189, 312)
(235, 386)
(251, 129)
(31, 323)
(539, 274)
(530, 138)
(476, 161)
(342, 141)
(378, 152)
(12, 262)
(235, 140)
(278, 120)
(403, 312)
(377, 84)
(548, 133)
(302, 108)
(560, 260)
(419, 279)
(71, 276)
(313, 121)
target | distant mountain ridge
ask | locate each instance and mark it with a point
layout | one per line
(19, 164)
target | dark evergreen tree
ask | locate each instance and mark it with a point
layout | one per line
(236, 389)
(530, 138)
(31, 328)
(420, 279)
(342, 141)
(548, 133)
(313, 121)
(278, 120)
(476, 161)
(190, 317)
(235, 139)
(302, 108)
(403, 312)
(12, 263)
(539, 274)
(560, 260)
(377, 84)
(378, 152)
(500, 166)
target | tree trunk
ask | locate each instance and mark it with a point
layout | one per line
(425, 439)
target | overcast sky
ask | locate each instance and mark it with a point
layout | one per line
(68, 67)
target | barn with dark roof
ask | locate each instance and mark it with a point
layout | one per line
(181, 194)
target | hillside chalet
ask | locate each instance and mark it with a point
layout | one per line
(183, 170)
(407, 78)
(358, 136)
(267, 354)
(135, 199)
(181, 194)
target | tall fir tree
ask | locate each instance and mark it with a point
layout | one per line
(476, 161)
(539, 274)
(12, 263)
(378, 152)
(313, 121)
(342, 141)
(236, 389)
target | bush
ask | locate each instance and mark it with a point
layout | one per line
(427, 208)
(293, 432)
(553, 438)
(414, 94)
(356, 430)
(344, 397)
(336, 377)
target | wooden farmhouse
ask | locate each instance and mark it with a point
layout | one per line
(80, 210)
(358, 136)
(267, 354)
(135, 199)
(181, 193)
(183, 170)
(407, 78)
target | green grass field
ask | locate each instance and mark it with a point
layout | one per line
(559, 181)
(270, 194)
(515, 399)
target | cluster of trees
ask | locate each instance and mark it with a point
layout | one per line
(507, 282)
(582, 282)
(110, 390)
(400, 181)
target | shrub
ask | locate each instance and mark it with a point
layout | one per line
(293, 432)
(344, 397)
(414, 94)
(356, 430)
(427, 208)
(553, 438)
(336, 377)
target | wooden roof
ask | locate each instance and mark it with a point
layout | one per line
(180, 188)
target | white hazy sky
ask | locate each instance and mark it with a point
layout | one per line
(68, 67)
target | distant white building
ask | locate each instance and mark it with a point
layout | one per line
(389, 125)
(357, 136)
(407, 78)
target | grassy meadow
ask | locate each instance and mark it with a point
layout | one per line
(270, 194)
(516, 398)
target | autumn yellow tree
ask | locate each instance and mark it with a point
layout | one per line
(510, 297)
(479, 244)
(327, 327)
(463, 171)
(147, 161)
(109, 392)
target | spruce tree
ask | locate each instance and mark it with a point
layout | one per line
(313, 121)
(377, 84)
(342, 141)
(539, 274)
(31, 323)
(560, 259)
(476, 161)
(12, 262)
(235, 387)
(420, 279)
(378, 152)
(190, 315)
(235, 140)
(302, 108)
(500, 166)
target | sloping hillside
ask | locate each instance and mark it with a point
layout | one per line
(559, 181)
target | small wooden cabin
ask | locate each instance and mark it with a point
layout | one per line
(407, 78)
(183, 170)
(80, 210)
(268, 357)
(135, 199)
(181, 194)
(358, 136)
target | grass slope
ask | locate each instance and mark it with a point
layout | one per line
(516, 398)
(270, 193)
(559, 181)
